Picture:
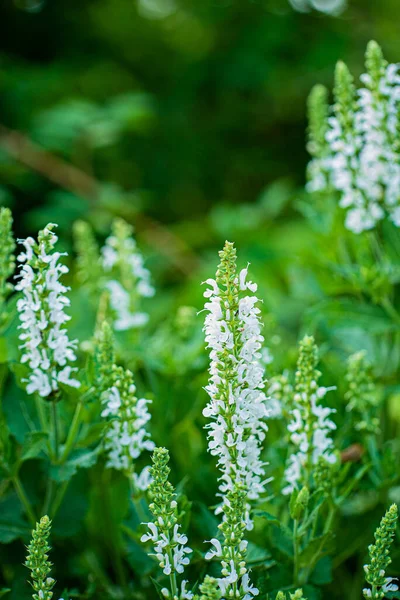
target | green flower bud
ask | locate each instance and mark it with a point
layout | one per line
(299, 503)
(38, 562)
(379, 554)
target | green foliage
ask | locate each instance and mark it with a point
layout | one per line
(174, 123)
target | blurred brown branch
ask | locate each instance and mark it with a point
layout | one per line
(70, 178)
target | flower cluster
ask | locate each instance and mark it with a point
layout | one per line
(380, 558)
(235, 581)
(209, 589)
(46, 347)
(126, 277)
(355, 151)
(280, 394)
(126, 437)
(38, 561)
(310, 426)
(170, 545)
(238, 405)
(361, 394)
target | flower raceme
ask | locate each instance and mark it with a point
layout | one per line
(355, 149)
(237, 411)
(238, 405)
(38, 561)
(47, 350)
(126, 437)
(170, 545)
(380, 558)
(127, 279)
(310, 426)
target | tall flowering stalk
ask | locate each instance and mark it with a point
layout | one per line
(47, 349)
(7, 259)
(126, 437)
(237, 411)
(127, 279)
(379, 554)
(355, 150)
(89, 271)
(170, 545)
(361, 394)
(311, 426)
(38, 562)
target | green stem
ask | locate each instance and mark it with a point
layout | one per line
(48, 497)
(73, 431)
(59, 497)
(295, 552)
(315, 558)
(39, 402)
(24, 499)
(54, 419)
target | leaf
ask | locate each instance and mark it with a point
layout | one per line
(256, 555)
(347, 313)
(263, 514)
(316, 545)
(34, 443)
(281, 538)
(12, 525)
(4, 591)
(322, 573)
(83, 459)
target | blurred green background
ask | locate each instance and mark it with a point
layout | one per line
(182, 106)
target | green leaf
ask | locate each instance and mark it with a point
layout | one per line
(317, 545)
(82, 459)
(34, 443)
(12, 525)
(263, 514)
(322, 573)
(4, 591)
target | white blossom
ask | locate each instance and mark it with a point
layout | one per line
(126, 277)
(46, 347)
(126, 436)
(362, 161)
(310, 427)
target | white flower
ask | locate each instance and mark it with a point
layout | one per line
(216, 551)
(363, 161)
(126, 437)
(127, 279)
(47, 350)
(389, 586)
(141, 482)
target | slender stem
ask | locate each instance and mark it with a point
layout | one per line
(172, 577)
(24, 499)
(59, 497)
(48, 497)
(295, 552)
(54, 418)
(73, 431)
(39, 402)
(315, 558)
